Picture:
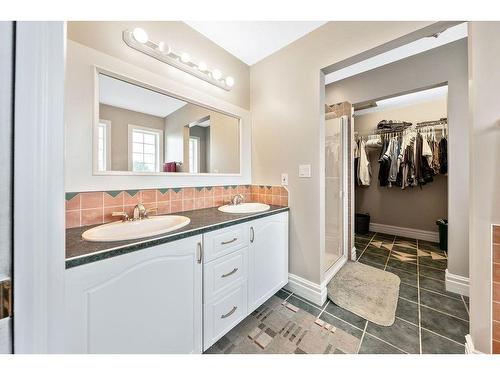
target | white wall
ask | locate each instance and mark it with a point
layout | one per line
(444, 64)
(287, 118)
(79, 117)
(484, 57)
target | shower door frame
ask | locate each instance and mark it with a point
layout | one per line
(335, 267)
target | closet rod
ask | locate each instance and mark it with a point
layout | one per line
(443, 121)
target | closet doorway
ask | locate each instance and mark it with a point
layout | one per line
(336, 213)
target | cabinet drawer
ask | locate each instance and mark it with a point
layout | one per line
(224, 241)
(223, 314)
(225, 272)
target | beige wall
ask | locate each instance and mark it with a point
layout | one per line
(120, 119)
(287, 117)
(444, 64)
(106, 36)
(224, 138)
(485, 172)
(410, 208)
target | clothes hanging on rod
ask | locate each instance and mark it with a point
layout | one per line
(410, 156)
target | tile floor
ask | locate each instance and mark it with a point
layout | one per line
(428, 318)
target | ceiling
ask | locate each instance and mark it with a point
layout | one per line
(252, 41)
(424, 44)
(125, 95)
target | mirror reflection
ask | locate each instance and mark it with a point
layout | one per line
(143, 131)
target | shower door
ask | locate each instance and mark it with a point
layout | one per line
(335, 190)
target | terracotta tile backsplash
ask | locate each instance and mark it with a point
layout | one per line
(88, 208)
(496, 289)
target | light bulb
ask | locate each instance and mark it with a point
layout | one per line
(202, 66)
(216, 73)
(230, 81)
(163, 47)
(185, 58)
(140, 35)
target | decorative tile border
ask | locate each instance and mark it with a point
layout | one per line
(496, 290)
(89, 208)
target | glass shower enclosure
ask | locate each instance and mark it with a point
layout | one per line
(335, 190)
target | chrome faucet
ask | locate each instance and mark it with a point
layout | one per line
(237, 199)
(139, 211)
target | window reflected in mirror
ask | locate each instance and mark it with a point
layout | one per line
(143, 131)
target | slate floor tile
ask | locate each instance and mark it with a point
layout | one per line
(372, 345)
(437, 286)
(348, 316)
(401, 334)
(303, 305)
(283, 294)
(406, 277)
(431, 272)
(407, 310)
(429, 262)
(377, 251)
(445, 325)
(405, 266)
(373, 258)
(434, 344)
(444, 304)
(409, 292)
(380, 266)
(356, 332)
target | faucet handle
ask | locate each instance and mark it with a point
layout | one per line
(149, 210)
(123, 215)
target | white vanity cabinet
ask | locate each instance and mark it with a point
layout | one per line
(244, 265)
(147, 301)
(177, 297)
(268, 258)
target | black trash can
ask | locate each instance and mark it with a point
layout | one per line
(443, 234)
(362, 223)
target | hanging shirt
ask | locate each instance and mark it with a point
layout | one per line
(365, 172)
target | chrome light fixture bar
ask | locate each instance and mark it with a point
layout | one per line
(138, 39)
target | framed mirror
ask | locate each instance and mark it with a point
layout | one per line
(139, 130)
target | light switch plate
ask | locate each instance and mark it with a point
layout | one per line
(284, 179)
(305, 170)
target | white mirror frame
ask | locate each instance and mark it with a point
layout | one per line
(95, 170)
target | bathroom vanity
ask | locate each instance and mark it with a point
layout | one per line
(176, 293)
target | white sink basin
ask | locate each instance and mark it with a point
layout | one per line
(131, 230)
(244, 208)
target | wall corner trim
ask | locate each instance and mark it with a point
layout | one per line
(312, 292)
(419, 234)
(469, 346)
(456, 283)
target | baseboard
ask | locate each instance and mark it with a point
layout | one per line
(305, 289)
(456, 283)
(312, 292)
(419, 234)
(353, 253)
(469, 346)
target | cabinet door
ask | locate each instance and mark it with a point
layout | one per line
(268, 258)
(148, 301)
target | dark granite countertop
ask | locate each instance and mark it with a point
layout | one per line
(79, 251)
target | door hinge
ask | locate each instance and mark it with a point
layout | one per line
(5, 299)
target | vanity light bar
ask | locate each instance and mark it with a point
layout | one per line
(138, 39)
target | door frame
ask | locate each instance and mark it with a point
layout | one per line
(39, 207)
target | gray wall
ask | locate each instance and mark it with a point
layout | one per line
(444, 64)
(413, 207)
(485, 172)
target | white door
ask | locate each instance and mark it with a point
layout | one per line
(6, 93)
(268, 258)
(148, 301)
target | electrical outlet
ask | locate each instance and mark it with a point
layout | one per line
(284, 179)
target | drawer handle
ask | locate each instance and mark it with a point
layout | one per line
(229, 313)
(228, 242)
(230, 273)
